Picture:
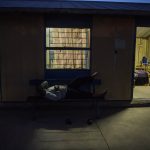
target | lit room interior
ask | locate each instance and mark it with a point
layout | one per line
(141, 88)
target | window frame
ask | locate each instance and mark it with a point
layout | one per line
(73, 49)
(76, 23)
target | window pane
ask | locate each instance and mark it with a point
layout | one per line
(68, 37)
(67, 59)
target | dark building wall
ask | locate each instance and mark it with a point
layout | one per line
(22, 53)
(113, 49)
(21, 44)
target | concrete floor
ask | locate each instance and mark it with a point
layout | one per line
(115, 129)
(141, 92)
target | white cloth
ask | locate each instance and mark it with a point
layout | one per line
(56, 92)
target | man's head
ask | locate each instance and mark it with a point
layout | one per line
(44, 85)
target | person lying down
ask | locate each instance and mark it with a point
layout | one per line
(73, 90)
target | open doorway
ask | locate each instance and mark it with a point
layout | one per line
(141, 88)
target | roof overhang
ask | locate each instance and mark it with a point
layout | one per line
(69, 6)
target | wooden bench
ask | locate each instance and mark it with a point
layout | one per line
(38, 100)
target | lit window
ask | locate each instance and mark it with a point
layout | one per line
(67, 48)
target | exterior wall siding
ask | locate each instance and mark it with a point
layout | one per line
(22, 53)
(113, 49)
(21, 41)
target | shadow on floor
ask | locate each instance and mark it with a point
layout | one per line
(27, 129)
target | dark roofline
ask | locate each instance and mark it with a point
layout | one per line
(75, 6)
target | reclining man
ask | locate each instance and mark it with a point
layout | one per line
(72, 90)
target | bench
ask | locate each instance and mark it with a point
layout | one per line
(39, 101)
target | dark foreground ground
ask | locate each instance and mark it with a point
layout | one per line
(114, 129)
